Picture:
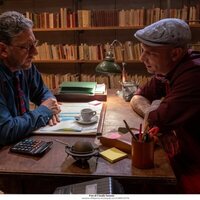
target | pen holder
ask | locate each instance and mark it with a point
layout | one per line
(143, 154)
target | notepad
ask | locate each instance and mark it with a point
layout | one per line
(113, 154)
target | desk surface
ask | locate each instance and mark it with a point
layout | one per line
(56, 163)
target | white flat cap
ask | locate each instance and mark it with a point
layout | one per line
(169, 31)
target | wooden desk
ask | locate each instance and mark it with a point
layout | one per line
(25, 174)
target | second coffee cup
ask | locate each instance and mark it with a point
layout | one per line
(87, 114)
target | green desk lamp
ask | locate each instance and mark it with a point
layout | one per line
(108, 65)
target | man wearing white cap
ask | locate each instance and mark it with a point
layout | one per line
(170, 101)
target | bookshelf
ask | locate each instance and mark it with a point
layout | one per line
(75, 34)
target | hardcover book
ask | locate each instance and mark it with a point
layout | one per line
(78, 87)
(120, 141)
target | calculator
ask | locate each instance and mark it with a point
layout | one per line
(31, 147)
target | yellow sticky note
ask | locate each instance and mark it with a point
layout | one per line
(113, 154)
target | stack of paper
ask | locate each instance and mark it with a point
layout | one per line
(100, 88)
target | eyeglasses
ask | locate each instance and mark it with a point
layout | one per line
(27, 47)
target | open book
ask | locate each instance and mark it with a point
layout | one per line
(69, 124)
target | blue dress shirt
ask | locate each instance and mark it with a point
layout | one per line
(13, 127)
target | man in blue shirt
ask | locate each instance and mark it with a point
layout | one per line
(17, 49)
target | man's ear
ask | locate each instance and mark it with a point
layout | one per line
(177, 53)
(3, 50)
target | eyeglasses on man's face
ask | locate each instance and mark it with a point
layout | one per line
(27, 47)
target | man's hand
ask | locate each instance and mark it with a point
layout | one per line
(52, 105)
(153, 132)
(54, 120)
(140, 104)
(170, 143)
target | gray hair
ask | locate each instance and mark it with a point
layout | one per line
(11, 24)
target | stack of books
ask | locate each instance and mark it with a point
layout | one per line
(81, 92)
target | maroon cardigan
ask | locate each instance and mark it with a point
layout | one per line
(179, 111)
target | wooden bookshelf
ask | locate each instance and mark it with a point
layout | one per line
(82, 61)
(88, 28)
(73, 22)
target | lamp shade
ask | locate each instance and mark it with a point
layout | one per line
(108, 66)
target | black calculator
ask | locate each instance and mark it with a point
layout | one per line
(31, 147)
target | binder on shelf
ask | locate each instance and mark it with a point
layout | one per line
(78, 87)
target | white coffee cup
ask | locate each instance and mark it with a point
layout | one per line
(87, 114)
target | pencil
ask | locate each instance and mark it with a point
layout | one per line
(128, 128)
(140, 133)
(57, 140)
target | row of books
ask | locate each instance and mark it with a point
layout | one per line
(141, 17)
(87, 52)
(66, 18)
(53, 81)
(97, 18)
(196, 47)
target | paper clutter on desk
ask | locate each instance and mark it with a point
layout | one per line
(94, 103)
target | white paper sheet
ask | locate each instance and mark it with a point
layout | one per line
(69, 124)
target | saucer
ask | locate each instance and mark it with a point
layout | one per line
(92, 121)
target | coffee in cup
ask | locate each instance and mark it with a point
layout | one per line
(87, 114)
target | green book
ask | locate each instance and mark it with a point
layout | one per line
(78, 87)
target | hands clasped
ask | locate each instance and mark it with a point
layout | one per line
(53, 105)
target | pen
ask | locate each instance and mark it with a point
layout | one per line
(128, 128)
(57, 140)
(140, 133)
(145, 136)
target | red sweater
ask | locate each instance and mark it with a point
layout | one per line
(179, 111)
